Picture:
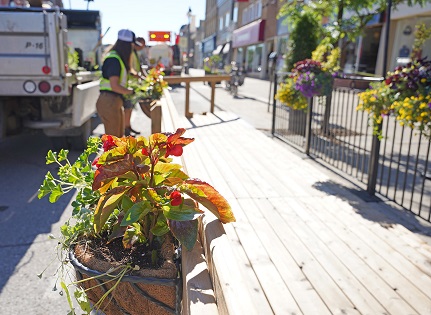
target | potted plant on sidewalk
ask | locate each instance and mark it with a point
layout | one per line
(133, 212)
(150, 89)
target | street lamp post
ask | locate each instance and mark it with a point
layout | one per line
(189, 14)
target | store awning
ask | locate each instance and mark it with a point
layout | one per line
(218, 50)
(226, 48)
(249, 34)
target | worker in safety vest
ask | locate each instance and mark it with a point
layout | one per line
(135, 75)
(113, 85)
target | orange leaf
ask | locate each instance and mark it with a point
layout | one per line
(212, 200)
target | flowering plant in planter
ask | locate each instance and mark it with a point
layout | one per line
(149, 89)
(311, 79)
(307, 79)
(405, 93)
(151, 86)
(134, 194)
(288, 95)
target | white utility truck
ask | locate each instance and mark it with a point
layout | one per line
(41, 85)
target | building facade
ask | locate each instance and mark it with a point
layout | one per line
(210, 28)
(249, 32)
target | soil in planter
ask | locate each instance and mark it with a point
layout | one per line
(115, 252)
(127, 298)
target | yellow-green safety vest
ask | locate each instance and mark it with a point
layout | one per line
(136, 66)
(104, 83)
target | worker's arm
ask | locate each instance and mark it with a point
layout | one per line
(117, 87)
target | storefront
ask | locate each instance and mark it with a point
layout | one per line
(249, 49)
(208, 46)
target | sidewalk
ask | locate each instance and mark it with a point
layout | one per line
(305, 241)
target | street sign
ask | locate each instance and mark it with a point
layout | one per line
(159, 36)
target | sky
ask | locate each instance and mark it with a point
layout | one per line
(141, 16)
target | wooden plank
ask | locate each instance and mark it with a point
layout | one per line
(409, 283)
(231, 291)
(331, 232)
(297, 283)
(198, 294)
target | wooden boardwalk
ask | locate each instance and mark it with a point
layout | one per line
(304, 243)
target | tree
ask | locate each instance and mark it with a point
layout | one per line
(334, 15)
(303, 39)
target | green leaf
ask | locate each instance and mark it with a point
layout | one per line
(66, 291)
(137, 211)
(161, 227)
(51, 157)
(126, 203)
(82, 299)
(186, 232)
(158, 179)
(106, 206)
(132, 235)
(185, 212)
(56, 193)
(62, 155)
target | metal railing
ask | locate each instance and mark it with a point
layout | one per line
(334, 132)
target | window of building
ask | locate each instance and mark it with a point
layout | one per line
(245, 16)
(227, 20)
(220, 24)
(235, 14)
(258, 9)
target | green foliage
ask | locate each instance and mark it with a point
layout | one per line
(131, 191)
(303, 39)
(211, 63)
(72, 59)
(422, 34)
(151, 87)
(327, 55)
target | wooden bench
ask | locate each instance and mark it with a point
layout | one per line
(212, 278)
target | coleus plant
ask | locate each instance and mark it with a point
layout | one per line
(134, 191)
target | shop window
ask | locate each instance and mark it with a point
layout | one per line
(245, 16)
(235, 14)
(258, 9)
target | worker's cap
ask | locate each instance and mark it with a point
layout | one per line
(128, 36)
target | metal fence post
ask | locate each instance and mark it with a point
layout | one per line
(374, 163)
(274, 103)
(308, 126)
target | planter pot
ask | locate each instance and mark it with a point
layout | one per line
(146, 106)
(147, 291)
(360, 83)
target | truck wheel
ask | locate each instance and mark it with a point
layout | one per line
(80, 142)
(59, 143)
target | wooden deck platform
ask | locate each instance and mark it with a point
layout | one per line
(304, 244)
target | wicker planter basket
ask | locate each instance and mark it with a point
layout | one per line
(146, 104)
(147, 291)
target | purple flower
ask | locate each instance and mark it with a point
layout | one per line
(429, 105)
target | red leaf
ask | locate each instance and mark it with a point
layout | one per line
(108, 171)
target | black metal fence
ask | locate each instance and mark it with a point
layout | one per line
(333, 131)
